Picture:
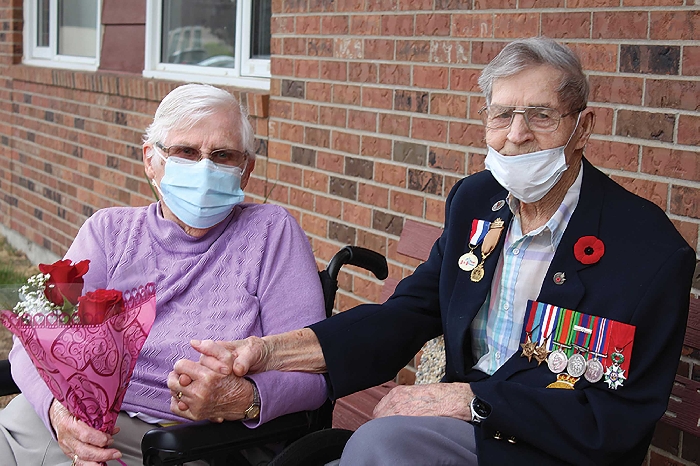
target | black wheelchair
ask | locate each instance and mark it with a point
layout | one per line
(307, 436)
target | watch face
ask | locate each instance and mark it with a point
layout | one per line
(481, 408)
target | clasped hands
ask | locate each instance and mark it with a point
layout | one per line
(233, 360)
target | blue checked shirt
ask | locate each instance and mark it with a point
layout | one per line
(521, 267)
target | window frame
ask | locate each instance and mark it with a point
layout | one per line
(258, 70)
(49, 56)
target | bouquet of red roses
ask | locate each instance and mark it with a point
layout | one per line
(84, 346)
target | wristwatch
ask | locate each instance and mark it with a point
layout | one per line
(253, 411)
(480, 410)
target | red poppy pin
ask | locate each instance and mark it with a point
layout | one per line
(588, 250)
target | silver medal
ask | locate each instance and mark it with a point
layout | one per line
(594, 370)
(576, 366)
(557, 361)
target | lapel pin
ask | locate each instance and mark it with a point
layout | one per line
(498, 205)
(559, 278)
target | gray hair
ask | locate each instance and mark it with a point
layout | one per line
(535, 51)
(186, 105)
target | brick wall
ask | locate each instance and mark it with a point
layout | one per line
(370, 120)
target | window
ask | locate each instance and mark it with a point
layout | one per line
(63, 32)
(215, 41)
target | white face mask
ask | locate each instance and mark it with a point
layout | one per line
(529, 177)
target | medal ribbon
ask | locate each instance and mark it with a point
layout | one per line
(479, 230)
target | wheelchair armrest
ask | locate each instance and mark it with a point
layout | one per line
(206, 440)
(7, 385)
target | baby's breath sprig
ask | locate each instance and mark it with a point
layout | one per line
(33, 301)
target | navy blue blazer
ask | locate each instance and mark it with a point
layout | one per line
(643, 279)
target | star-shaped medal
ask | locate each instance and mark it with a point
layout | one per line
(614, 376)
(528, 348)
(541, 353)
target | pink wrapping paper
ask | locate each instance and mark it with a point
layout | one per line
(88, 367)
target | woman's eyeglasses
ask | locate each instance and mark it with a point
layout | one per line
(223, 157)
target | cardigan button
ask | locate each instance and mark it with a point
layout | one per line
(512, 440)
(497, 435)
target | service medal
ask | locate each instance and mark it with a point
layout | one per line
(576, 366)
(614, 376)
(557, 361)
(468, 261)
(528, 349)
(594, 370)
(478, 273)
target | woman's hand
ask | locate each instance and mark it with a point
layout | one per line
(79, 439)
(201, 393)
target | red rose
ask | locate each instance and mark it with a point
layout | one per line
(99, 305)
(66, 281)
(588, 250)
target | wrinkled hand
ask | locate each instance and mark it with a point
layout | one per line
(435, 399)
(248, 356)
(208, 394)
(77, 438)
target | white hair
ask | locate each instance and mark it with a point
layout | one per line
(188, 104)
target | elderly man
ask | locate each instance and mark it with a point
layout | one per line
(221, 267)
(562, 297)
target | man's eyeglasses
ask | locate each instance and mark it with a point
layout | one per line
(223, 157)
(538, 119)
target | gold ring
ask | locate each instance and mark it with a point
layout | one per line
(179, 395)
(75, 460)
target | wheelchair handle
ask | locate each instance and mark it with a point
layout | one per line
(361, 257)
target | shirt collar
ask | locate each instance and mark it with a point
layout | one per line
(556, 225)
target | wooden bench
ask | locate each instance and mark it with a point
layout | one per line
(416, 242)
(352, 411)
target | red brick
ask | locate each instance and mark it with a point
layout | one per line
(291, 132)
(379, 49)
(431, 77)
(345, 142)
(685, 201)
(515, 25)
(305, 112)
(350, 5)
(691, 61)
(315, 180)
(616, 155)
(302, 199)
(381, 5)
(373, 146)
(347, 48)
(483, 52)
(335, 25)
(596, 57)
(366, 25)
(308, 25)
(688, 230)
(567, 24)
(317, 137)
(446, 159)
(282, 67)
(306, 68)
(319, 47)
(294, 46)
(318, 91)
(603, 120)
(395, 74)
(452, 105)
(651, 190)
(397, 125)
(620, 25)
(413, 50)
(614, 89)
(429, 130)
(467, 134)
(377, 97)
(314, 225)
(329, 162)
(688, 132)
(433, 25)
(435, 209)
(475, 164)
(405, 203)
(327, 206)
(333, 116)
(334, 71)
(472, 25)
(397, 25)
(357, 214)
(476, 103)
(674, 25)
(652, 2)
(390, 174)
(415, 5)
(446, 51)
(465, 79)
(346, 94)
(373, 195)
(664, 93)
(362, 72)
(671, 163)
(646, 125)
(495, 4)
(362, 120)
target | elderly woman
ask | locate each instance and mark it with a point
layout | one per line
(223, 270)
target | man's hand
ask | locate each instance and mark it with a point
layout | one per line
(77, 438)
(202, 393)
(241, 357)
(435, 399)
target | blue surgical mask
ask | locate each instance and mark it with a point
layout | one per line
(200, 194)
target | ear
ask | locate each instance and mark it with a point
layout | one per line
(585, 128)
(148, 162)
(246, 174)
